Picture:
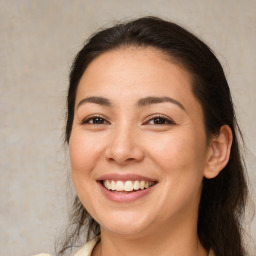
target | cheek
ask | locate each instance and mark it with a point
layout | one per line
(181, 157)
(84, 150)
(178, 150)
(182, 160)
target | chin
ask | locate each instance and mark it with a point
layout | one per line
(126, 230)
(125, 225)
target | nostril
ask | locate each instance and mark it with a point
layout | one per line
(130, 159)
(111, 159)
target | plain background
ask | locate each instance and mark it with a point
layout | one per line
(38, 42)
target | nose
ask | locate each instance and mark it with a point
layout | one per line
(124, 147)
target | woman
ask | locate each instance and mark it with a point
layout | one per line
(153, 146)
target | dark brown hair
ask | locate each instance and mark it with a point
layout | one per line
(223, 198)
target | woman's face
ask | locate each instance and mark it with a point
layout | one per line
(137, 124)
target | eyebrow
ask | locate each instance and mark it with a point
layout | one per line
(97, 100)
(154, 100)
(141, 102)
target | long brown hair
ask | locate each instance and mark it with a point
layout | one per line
(223, 198)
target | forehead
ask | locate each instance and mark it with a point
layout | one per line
(134, 68)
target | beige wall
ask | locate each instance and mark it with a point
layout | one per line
(38, 42)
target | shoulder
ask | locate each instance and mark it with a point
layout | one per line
(86, 250)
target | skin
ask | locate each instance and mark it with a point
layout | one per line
(127, 140)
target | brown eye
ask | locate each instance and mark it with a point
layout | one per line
(160, 120)
(95, 120)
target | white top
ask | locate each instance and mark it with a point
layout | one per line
(87, 249)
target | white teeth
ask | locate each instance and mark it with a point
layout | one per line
(136, 185)
(127, 185)
(142, 184)
(119, 186)
(107, 184)
(113, 185)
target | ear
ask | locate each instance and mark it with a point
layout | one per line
(218, 152)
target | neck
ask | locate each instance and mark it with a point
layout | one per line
(165, 240)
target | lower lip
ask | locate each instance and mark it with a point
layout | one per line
(125, 197)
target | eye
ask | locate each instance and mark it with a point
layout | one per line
(95, 120)
(159, 120)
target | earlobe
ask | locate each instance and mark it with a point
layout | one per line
(218, 152)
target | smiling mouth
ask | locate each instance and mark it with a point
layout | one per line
(127, 186)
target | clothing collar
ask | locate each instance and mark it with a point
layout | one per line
(87, 249)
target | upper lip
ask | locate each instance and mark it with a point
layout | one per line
(124, 177)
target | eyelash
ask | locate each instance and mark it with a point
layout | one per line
(167, 121)
(163, 120)
(94, 117)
